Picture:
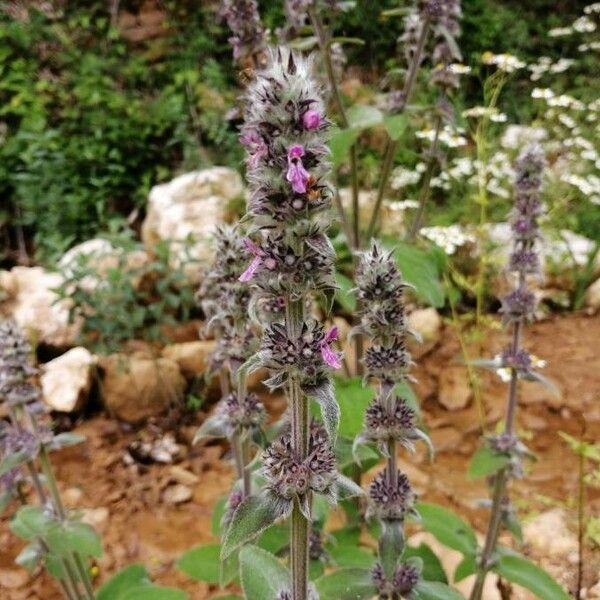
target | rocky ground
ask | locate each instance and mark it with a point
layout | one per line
(151, 513)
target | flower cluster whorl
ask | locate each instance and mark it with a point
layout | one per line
(289, 477)
(403, 582)
(16, 368)
(519, 304)
(242, 413)
(249, 38)
(391, 499)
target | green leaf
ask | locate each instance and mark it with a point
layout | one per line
(30, 556)
(346, 584)
(353, 398)
(354, 41)
(448, 528)
(274, 538)
(521, 571)
(420, 268)
(486, 462)
(153, 592)
(250, 519)
(30, 522)
(217, 516)
(126, 579)
(69, 537)
(361, 116)
(340, 142)
(343, 295)
(201, 563)
(466, 567)
(395, 125)
(263, 575)
(434, 590)
(350, 555)
(432, 566)
(12, 460)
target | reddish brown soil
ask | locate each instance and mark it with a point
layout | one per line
(142, 528)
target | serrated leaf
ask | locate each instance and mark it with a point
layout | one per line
(128, 578)
(262, 574)
(251, 518)
(201, 563)
(517, 569)
(362, 116)
(324, 395)
(346, 584)
(395, 125)
(486, 462)
(434, 590)
(448, 528)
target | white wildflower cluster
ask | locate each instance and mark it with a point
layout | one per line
(450, 136)
(590, 46)
(505, 373)
(546, 65)
(504, 62)
(450, 238)
(560, 31)
(516, 136)
(589, 186)
(584, 25)
(403, 177)
(492, 113)
(591, 9)
(402, 205)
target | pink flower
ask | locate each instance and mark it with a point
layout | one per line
(248, 274)
(297, 175)
(256, 147)
(311, 119)
(329, 356)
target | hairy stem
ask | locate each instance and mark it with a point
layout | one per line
(391, 145)
(426, 188)
(300, 431)
(500, 482)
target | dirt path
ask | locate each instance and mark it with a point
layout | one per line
(137, 525)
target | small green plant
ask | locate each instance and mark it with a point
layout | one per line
(121, 293)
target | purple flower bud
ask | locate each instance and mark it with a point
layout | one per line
(242, 414)
(248, 274)
(406, 577)
(387, 363)
(311, 120)
(390, 500)
(395, 420)
(516, 359)
(518, 305)
(296, 174)
(503, 442)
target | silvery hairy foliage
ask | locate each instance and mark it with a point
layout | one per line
(517, 309)
(25, 443)
(292, 260)
(389, 420)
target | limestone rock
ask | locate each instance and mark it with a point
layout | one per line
(189, 208)
(454, 389)
(27, 296)
(427, 324)
(67, 380)
(549, 535)
(192, 357)
(592, 297)
(137, 387)
(177, 494)
(101, 257)
(13, 578)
